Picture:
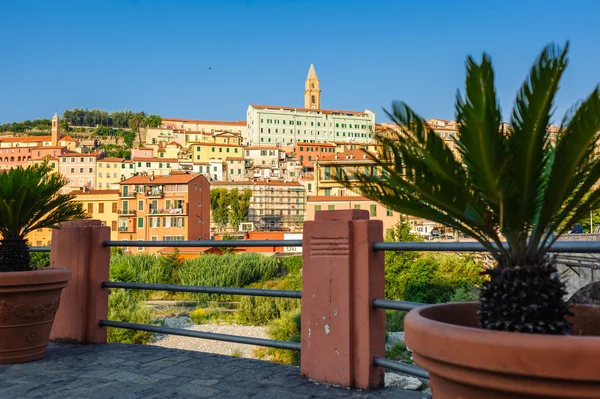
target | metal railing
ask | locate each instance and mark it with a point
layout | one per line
(378, 303)
(295, 346)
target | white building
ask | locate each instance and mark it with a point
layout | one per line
(288, 125)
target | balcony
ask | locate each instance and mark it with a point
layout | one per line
(126, 212)
(126, 229)
(155, 192)
(161, 211)
(126, 194)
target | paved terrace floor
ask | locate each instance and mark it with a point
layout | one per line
(143, 371)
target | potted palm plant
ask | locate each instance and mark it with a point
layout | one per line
(30, 199)
(515, 189)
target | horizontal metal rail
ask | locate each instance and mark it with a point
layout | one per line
(206, 243)
(379, 303)
(204, 290)
(271, 343)
(39, 249)
(560, 247)
(401, 367)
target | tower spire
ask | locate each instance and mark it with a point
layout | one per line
(312, 91)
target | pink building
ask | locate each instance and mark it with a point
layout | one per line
(79, 169)
(142, 152)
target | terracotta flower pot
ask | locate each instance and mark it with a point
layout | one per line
(28, 303)
(467, 362)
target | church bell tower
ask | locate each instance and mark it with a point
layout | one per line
(312, 92)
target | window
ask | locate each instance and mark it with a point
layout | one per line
(331, 207)
(317, 208)
(373, 210)
(309, 186)
(80, 170)
(108, 165)
(140, 205)
(356, 206)
(140, 222)
(72, 170)
(101, 207)
(113, 226)
(99, 174)
(148, 164)
(90, 208)
(114, 207)
(389, 212)
(90, 170)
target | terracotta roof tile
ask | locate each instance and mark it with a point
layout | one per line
(175, 178)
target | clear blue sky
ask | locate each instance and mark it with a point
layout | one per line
(155, 55)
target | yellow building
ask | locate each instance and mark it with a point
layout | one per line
(224, 147)
(332, 165)
(110, 172)
(99, 204)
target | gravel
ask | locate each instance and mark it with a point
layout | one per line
(210, 346)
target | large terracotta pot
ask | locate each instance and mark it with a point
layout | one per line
(28, 303)
(466, 362)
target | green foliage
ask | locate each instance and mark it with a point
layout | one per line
(229, 207)
(255, 311)
(399, 352)
(228, 270)
(465, 294)
(129, 138)
(286, 328)
(200, 316)
(136, 122)
(512, 189)
(153, 121)
(260, 310)
(40, 259)
(292, 264)
(95, 117)
(428, 292)
(116, 151)
(40, 125)
(30, 199)
(394, 320)
(125, 306)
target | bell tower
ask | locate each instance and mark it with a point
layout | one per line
(312, 91)
(55, 130)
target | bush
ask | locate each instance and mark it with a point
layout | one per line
(124, 306)
(204, 316)
(428, 292)
(399, 352)
(260, 310)
(291, 264)
(40, 259)
(287, 328)
(465, 294)
(394, 320)
(200, 316)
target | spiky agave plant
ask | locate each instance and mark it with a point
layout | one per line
(515, 190)
(30, 199)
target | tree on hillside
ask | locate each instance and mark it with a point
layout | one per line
(128, 138)
(153, 121)
(398, 261)
(136, 122)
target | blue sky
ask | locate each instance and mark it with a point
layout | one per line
(155, 55)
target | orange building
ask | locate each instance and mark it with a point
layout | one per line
(308, 153)
(174, 207)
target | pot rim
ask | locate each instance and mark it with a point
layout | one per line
(46, 275)
(537, 354)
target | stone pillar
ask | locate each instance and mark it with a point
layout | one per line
(341, 275)
(78, 246)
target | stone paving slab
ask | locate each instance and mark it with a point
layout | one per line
(122, 371)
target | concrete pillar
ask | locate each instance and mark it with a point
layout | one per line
(78, 246)
(341, 275)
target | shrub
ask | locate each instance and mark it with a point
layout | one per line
(291, 264)
(394, 320)
(465, 294)
(200, 316)
(428, 292)
(40, 259)
(287, 328)
(260, 310)
(256, 311)
(124, 306)
(399, 352)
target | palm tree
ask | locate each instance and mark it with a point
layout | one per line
(515, 190)
(136, 122)
(30, 199)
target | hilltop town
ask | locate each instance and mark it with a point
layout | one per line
(274, 171)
